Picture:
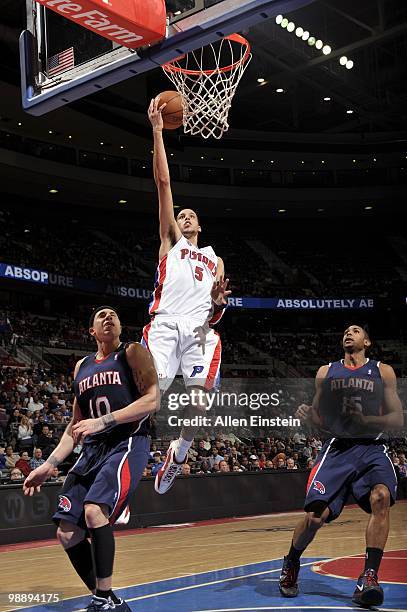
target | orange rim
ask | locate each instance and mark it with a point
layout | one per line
(171, 67)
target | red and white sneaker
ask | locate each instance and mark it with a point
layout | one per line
(165, 476)
(124, 517)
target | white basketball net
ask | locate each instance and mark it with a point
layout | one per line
(207, 94)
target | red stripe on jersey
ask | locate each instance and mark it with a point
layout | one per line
(311, 476)
(217, 317)
(125, 480)
(213, 368)
(162, 270)
(146, 329)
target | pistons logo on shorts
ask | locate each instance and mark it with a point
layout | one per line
(64, 503)
(318, 486)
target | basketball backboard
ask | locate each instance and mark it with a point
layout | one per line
(62, 61)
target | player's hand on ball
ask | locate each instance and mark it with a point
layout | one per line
(86, 428)
(32, 484)
(154, 113)
(303, 412)
(220, 292)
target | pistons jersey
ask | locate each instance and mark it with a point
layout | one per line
(346, 390)
(103, 386)
(183, 282)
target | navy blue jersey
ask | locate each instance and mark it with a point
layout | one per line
(347, 388)
(104, 386)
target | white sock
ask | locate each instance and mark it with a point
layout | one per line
(183, 447)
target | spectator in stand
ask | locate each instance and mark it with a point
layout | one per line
(56, 476)
(37, 459)
(310, 464)
(281, 464)
(158, 463)
(25, 433)
(11, 457)
(269, 465)
(223, 466)
(4, 419)
(147, 472)
(402, 465)
(204, 468)
(291, 464)
(16, 475)
(202, 452)
(2, 458)
(192, 452)
(214, 458)
(47, 441)
(186, 469)
(53, 403)
(34, 403)
(38, 425)
(244, 463)
(23, 464)
(254, 464)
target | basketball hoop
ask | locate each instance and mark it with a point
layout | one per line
(207, 94)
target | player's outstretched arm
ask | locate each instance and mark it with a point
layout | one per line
(219, 293)
(145, 377)
(65, 447)
(169, 230)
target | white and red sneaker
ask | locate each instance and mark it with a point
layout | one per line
(165, 476)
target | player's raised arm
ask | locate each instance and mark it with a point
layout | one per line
(169, 230)
(65, 447)
(145, 377)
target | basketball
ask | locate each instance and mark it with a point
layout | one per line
(173, 113)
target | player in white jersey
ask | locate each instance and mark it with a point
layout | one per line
(190, 295)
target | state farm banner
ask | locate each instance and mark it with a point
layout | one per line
(106, 287)
(131, 23)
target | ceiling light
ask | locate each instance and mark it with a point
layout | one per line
(343, 60)
(176, 205)
(299, 32)
(279, 19)
(326, 50)
(322, 161)
(26, 231)
(284, 23)
(291, 26)
(121, 146)
(53, 191)
(319, 44)
(122, 202)
(271, 161)
(252, 161)
(368, 207)
(50, 132)
(305, 36)
(221, 159)
(354, 161)
(70, 137)
(349, 111)
(374, 159)
(311, 41)
(172, 154)
(327, 99)
(302, 161)
(281, 210)
(228, 210)
(320, 210)
(19, 123)
(101, 143)
(202, 157)
(349, 64)
(280, 90)
(260, 80)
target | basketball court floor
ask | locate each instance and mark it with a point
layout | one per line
(228, 565)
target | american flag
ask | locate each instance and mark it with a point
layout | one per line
(60, 62)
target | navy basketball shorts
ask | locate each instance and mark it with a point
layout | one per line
(110, 482)
(342, 468)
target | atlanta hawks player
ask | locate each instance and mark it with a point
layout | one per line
(190, 295)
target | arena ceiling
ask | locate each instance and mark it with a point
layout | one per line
(372, 33)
